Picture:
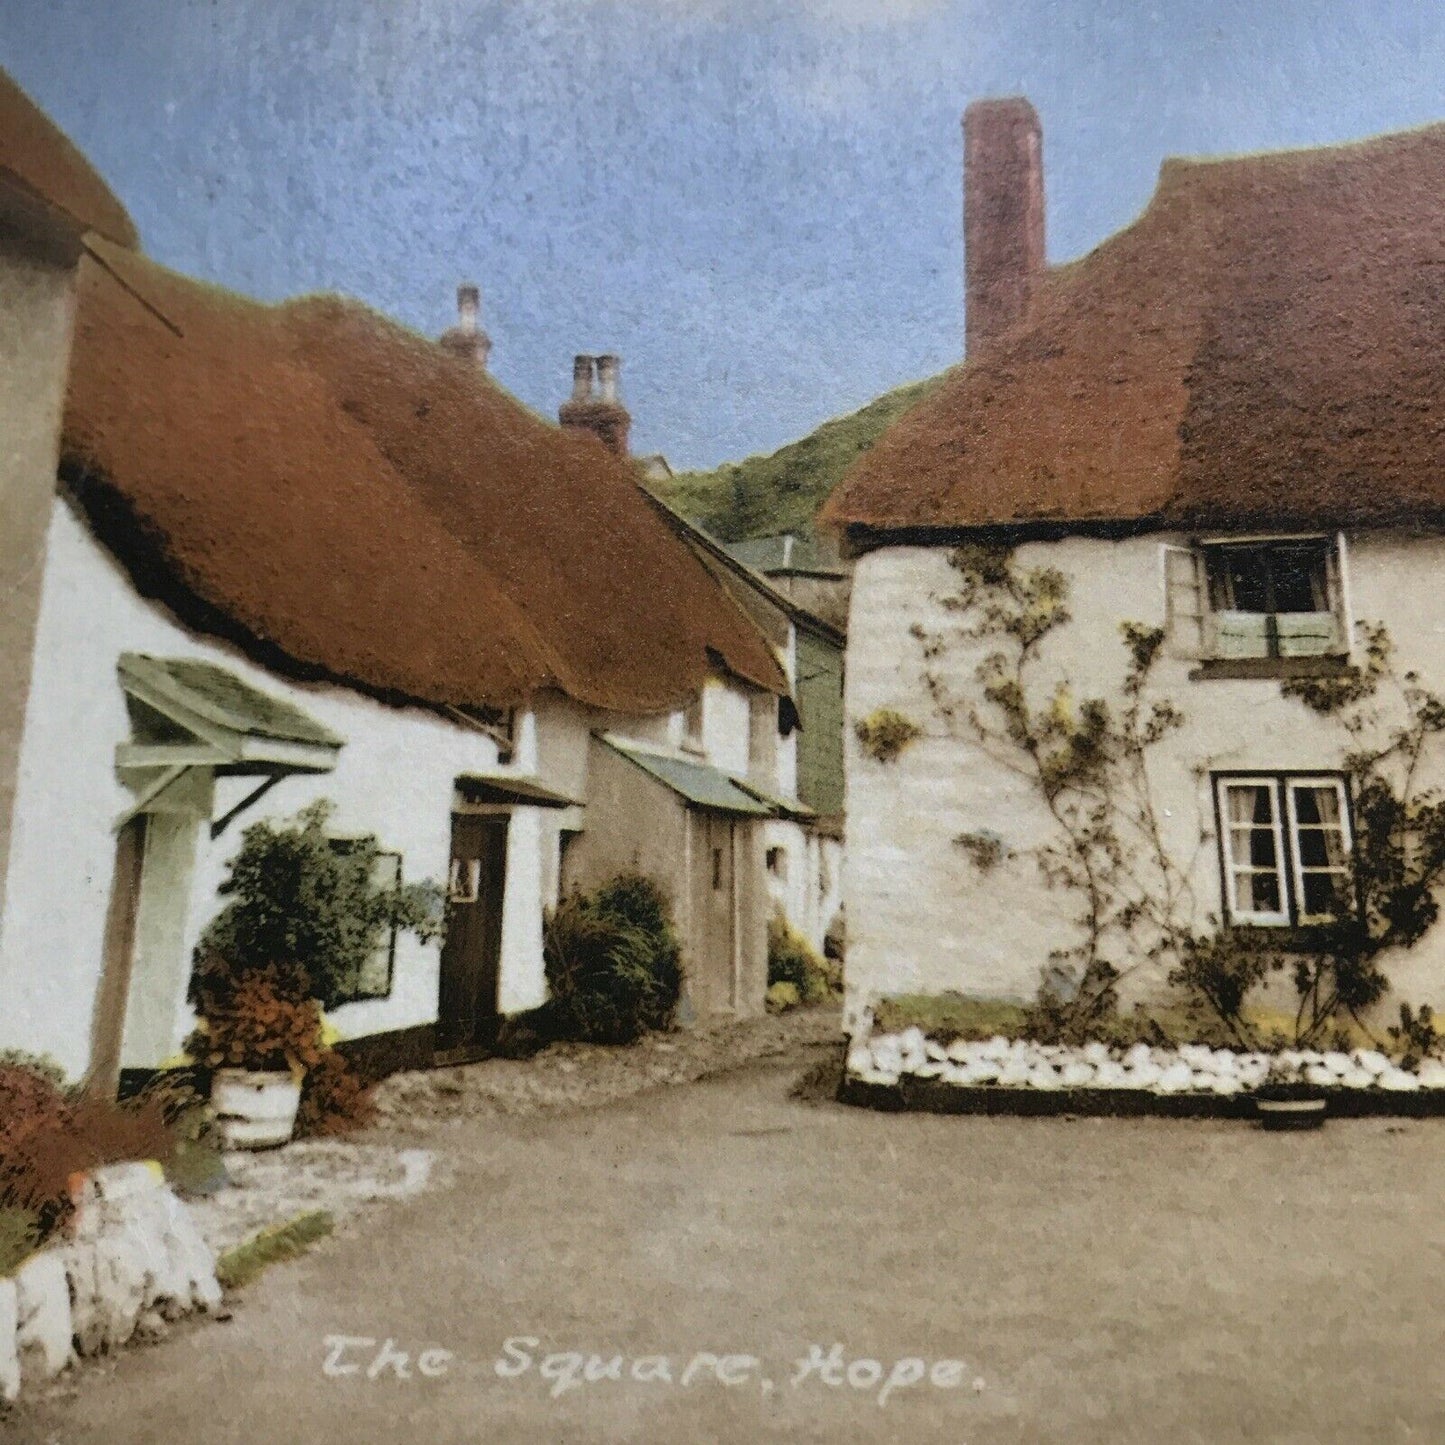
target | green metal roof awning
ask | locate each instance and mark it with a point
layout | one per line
(522, 792)
(698, 783)
(780, 807)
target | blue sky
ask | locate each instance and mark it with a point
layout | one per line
(756, 202)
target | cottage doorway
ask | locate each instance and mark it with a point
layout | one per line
(717, 902)
(467, 1012)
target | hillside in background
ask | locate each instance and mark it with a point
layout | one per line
(763, 496)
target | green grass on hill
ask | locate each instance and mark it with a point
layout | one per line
(763, 496)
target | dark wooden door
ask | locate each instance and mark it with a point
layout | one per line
(472, 952)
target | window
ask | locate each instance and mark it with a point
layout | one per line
(373, 978)
(1274, 598)
(692, 724)
(1284, 847)
(778, 862)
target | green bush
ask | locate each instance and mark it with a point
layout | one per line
(20, 1234)
(298, 902)
(613, 961)
(792, 960)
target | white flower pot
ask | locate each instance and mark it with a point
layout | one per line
(255, 1109)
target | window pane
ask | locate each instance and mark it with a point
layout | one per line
(1241, 580)
(1299, 578)
(1315, 804)
(1257, 892)
(1250, 803)
(1323, 894)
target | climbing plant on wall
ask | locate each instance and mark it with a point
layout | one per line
(1087, 758)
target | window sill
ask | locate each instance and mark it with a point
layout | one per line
(1243, 668)
(1298, 937)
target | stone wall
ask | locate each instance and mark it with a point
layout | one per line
(130, 1261)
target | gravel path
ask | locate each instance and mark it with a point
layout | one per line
(565, 1077)
(383, 1163)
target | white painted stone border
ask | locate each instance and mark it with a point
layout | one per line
(130, 1259)
(1188, 1069)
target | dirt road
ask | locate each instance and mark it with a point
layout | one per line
(1016, 1280)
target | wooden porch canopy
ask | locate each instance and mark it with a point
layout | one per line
(190, 714)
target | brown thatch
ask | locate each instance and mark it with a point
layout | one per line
(1265, 344)
(345, 500)
(40, 159)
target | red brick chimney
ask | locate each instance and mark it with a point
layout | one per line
(602, 413)
(466, 338)
(1003, 215)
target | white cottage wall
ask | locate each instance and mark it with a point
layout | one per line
(394, 777)
(922, 918)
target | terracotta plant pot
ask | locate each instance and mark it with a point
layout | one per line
(255, 1109)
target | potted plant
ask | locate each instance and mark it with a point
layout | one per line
(1285, 1101)
(259, 1033)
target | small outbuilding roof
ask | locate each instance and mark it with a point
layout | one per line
(344, 500)
(1264, 345)
(42, 161)
(700, 784)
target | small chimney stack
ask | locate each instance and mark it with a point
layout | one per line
(602, 414)
(467, 339)
(1003, 215)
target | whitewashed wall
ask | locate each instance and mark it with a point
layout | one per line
(726, 726)
(921, 917)
(394, 778)
(810, 887)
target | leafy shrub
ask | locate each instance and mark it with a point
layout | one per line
(48, 1134)
(613, 962)
(335, 1098)
(884, 733)
(298, 902)
(792, 960)
(19, 1238)
(1416, 1037)
(259, 1021)
(782, 996)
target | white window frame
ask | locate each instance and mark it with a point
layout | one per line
(1257, 918)
(1289, 869)
(1301, 780)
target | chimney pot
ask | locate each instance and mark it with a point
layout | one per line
(469, 305)
(1003, 215)
(467, 339)
(582, 378)
(609, 369)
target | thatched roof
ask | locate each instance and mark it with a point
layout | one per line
(38, 158)
(345, 500)
(1265, 344)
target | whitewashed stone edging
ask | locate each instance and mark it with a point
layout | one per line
(130, 1260)
(885, 1059)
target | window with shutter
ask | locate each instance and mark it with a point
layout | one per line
(1257, 600)
(1184, 601)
